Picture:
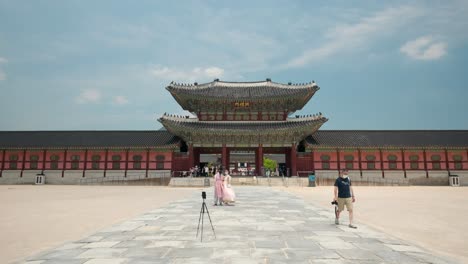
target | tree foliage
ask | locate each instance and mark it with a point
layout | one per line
(269, 164)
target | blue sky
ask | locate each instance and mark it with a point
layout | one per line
(104, 65)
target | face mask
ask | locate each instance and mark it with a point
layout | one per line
(345, 176)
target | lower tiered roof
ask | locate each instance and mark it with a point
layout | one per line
(242, 133)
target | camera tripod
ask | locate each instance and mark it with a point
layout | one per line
(202, 216)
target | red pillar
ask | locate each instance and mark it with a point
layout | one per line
(447, 165)
(338, 161)
(85, 164)
(64, 165)
(24, 163)
(293, 160)
(259, 160)
(191, 155)
(44, 156)
(360, 161)
(196, 157)
(287, 154)
(403, 162)
(126, 163)
(105, 162)
(228, 159)
(147, 162)
(224, 157)
(382, 163)
(312, 153)
(425, 164)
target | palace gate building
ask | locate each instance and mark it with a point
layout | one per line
(235, 125)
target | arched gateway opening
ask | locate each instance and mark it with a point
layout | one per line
(237, 124)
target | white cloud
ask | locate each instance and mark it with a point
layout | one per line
(120, 100)
(195, 74)
(348, 37)
(3, 60)
(213, 72)
(89, 96)
(424, 48)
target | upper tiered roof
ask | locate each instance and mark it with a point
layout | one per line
(263, 94)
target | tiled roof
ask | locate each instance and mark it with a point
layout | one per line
(188, 124)
(243, 90)
(87, 139)
(389, 138)
(161, 138)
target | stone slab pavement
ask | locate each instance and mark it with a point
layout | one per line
(264, 226)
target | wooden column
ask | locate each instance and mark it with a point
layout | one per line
(148, 158)
(105, 162)
(196, 157)
(44, 156)
(382, 163)
(126, 163)
(447, 167)
(85, 167)
(359, 161)
(259, 160)
(3, 162)
(425, 163)
(403, 161)
(191, 155)
(313, 159)
(338, 161)
(24, 163)
(64, 164)
(228, 158)
(293, 160)
(224, 158)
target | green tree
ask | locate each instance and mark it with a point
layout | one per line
(269, 164)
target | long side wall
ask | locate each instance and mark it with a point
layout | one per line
(92, 177)
(84, 166)
(404, 166)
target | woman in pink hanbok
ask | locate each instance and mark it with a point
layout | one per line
(219, 188)
(229, 196)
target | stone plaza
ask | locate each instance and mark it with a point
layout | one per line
(265, 226)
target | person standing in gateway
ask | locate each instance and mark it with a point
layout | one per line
(344, 195)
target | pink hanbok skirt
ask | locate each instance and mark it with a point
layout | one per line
(229, 195)
(219, 188)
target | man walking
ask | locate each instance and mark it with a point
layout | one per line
(344, 195)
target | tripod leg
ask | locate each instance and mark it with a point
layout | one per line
(199, 218)
(203, 217)
(210, 220)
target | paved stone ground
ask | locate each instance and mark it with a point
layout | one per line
(265, 226)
